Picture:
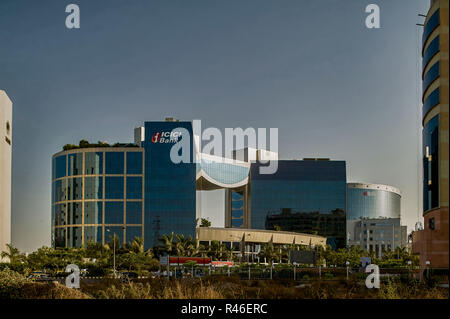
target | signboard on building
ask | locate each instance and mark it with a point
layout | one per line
(164, 260)
(302, 257)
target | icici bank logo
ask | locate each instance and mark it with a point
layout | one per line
(156, 137)
(166, 137)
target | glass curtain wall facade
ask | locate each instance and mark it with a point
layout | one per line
(170, 189)
(97, 193)
(372, 201)
(302, 196)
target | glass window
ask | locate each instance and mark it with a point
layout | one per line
(237, 223)
(113, 212)
(432, 100)
(133, 232)
(93, 188)
(430, 139)
(431, 50)
(113, 187)
(114, 162)
(59, 167)
(60, 237)
(93, 213)
(74, 216)
(432, 74)
(134, 162)
(432, 24)
(75, 164)
(93, 163)
(75, 188)
(59, 190)
(134, 187)
(134, 213)
(74, 237)
(431, 223)
(92, 234)
(110, 231)
(59, 215)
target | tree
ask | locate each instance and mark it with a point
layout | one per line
(168, 241)
(277, 227)
(269, 253)
(13, 254)
(205, 223)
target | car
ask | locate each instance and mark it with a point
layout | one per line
(39, 276)
(126, 276)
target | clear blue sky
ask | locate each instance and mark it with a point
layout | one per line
(311, 68)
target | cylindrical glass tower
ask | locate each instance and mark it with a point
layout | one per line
(96, 193)
(372, 201)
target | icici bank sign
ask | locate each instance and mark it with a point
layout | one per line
(166, 137)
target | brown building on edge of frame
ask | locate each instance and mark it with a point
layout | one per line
(431, 243)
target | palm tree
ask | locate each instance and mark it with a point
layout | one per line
(180, 244)
(268, 253)
(168, 241)
(137, 245)
(13, 254)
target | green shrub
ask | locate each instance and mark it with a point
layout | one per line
(11, 284)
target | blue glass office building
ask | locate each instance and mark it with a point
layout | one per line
(306, 196)
(170, 189)
(136, 190)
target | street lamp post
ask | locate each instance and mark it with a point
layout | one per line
(295, 264)
(347, 263)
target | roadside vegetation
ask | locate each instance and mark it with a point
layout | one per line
(18, 273)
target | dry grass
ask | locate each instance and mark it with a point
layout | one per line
(232, 288)
(39, 290)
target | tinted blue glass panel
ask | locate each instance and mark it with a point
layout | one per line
(93, 163)
(133, 232)
(431, 25)
(134, 187)
(114, 162)
(74, 238)
(92, 234)
(134, 213)
(114, 230)
(93, 187)
(430, 138)
(431, 50)
(59, 167)
(75, 164)
(237, 204)
(431, 101)
(93, 213)
(74, 214)
(75, 188)
(134, 163)
(237, 223)
(225, 173)
(59, 215)
(302, 196)
(60, 237)
(432, 74)
(59, 190)
(113, 187)
(170, 189)
(237, 213)
(113, 212)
